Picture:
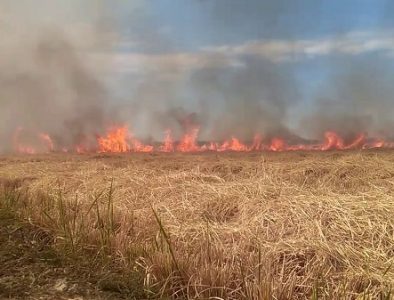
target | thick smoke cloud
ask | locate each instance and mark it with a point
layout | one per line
(253, 97)
(55, 94)
(357, 97)
(46, 84)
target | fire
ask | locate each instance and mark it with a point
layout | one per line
(78, 148)
(332, 141)
(46, 139)
(188, 142)
(376, 144)
(277, 144)
(115, 141)
(137, 146)
(233, 144)
(168, 144)
(257, 143)
(118, 139)
(358, 142)
(34, 143)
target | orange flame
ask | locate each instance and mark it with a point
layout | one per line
(277, 144)
(115, 141)
(188, 142)
(42, 143)
(119, 140)
(332, 141)
(46, 139)
(233, 145)
(168, 144)
(358, 142)
(257, 143)
(137, 146)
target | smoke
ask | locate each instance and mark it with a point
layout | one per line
(250, 98)
(46, 82)
(55, 78)
(230, 98)
(222, 100)
(356, 97)
(251, 93)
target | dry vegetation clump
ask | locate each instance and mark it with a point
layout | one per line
(231, 226)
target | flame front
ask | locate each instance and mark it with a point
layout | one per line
(118, 139)
(188, 142)
(115, 141)
(38, 143)
(168, 144)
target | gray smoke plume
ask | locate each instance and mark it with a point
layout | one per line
(252, 98)
(46, 84)
(357, 97)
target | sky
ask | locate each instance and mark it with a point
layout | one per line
(227, 58)
(195, 24)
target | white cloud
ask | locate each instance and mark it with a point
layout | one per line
(352, 43)
(171, 62)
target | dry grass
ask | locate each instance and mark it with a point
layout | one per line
(230, 226)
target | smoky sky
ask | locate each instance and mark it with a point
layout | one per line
(54, 95)
(259, 95)
(240, 99)
(253, 97)
(357, 96)
(61, 72)
(46, 84)
(256, 94)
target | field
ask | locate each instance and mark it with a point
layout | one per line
(206, 226)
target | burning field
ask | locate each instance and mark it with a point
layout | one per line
(258, 225)
(120, 140)
(196, 149)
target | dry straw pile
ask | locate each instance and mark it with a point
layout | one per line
(230, 226)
